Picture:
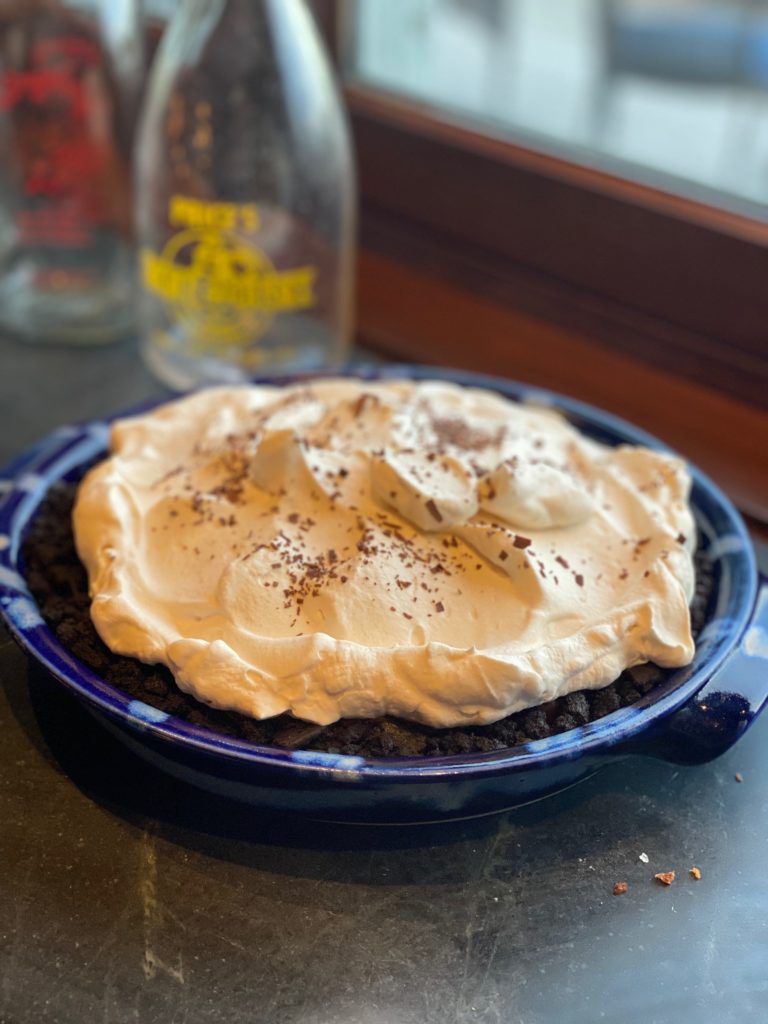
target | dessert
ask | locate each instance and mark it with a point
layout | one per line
(351, 550)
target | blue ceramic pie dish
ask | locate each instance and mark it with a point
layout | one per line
(695, 715)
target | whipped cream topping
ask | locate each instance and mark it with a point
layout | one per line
(352, 549)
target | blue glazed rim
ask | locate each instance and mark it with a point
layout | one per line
(69, 449)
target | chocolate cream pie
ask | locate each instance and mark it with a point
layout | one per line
(409, 557)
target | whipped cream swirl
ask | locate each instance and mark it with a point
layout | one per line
(353, 549)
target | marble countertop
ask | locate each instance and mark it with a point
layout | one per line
(127, 896)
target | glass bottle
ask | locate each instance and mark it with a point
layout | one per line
(245, 197)
(70, 75)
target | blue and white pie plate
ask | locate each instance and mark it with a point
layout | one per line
(695, 715)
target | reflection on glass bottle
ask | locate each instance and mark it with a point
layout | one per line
(245, 197)
(68, 81)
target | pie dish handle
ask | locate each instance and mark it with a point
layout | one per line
(723, 709)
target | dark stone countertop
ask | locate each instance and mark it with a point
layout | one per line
(127, 896)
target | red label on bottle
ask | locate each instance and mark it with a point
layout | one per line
(63, 139)
(41, 87)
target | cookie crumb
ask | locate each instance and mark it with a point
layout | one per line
(644, 858)
(739, 777)
(620, 888)
(694, 873)
(665, 877)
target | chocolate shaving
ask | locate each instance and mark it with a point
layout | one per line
(433, 510)
(362, 401)
(452, 430)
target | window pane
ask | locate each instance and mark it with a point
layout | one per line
(670, 92)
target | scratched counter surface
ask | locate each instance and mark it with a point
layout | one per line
(126, 896)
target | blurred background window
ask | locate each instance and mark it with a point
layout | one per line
(672, 93)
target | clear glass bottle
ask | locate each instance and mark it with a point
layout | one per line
(70, 74)
(245, 197)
